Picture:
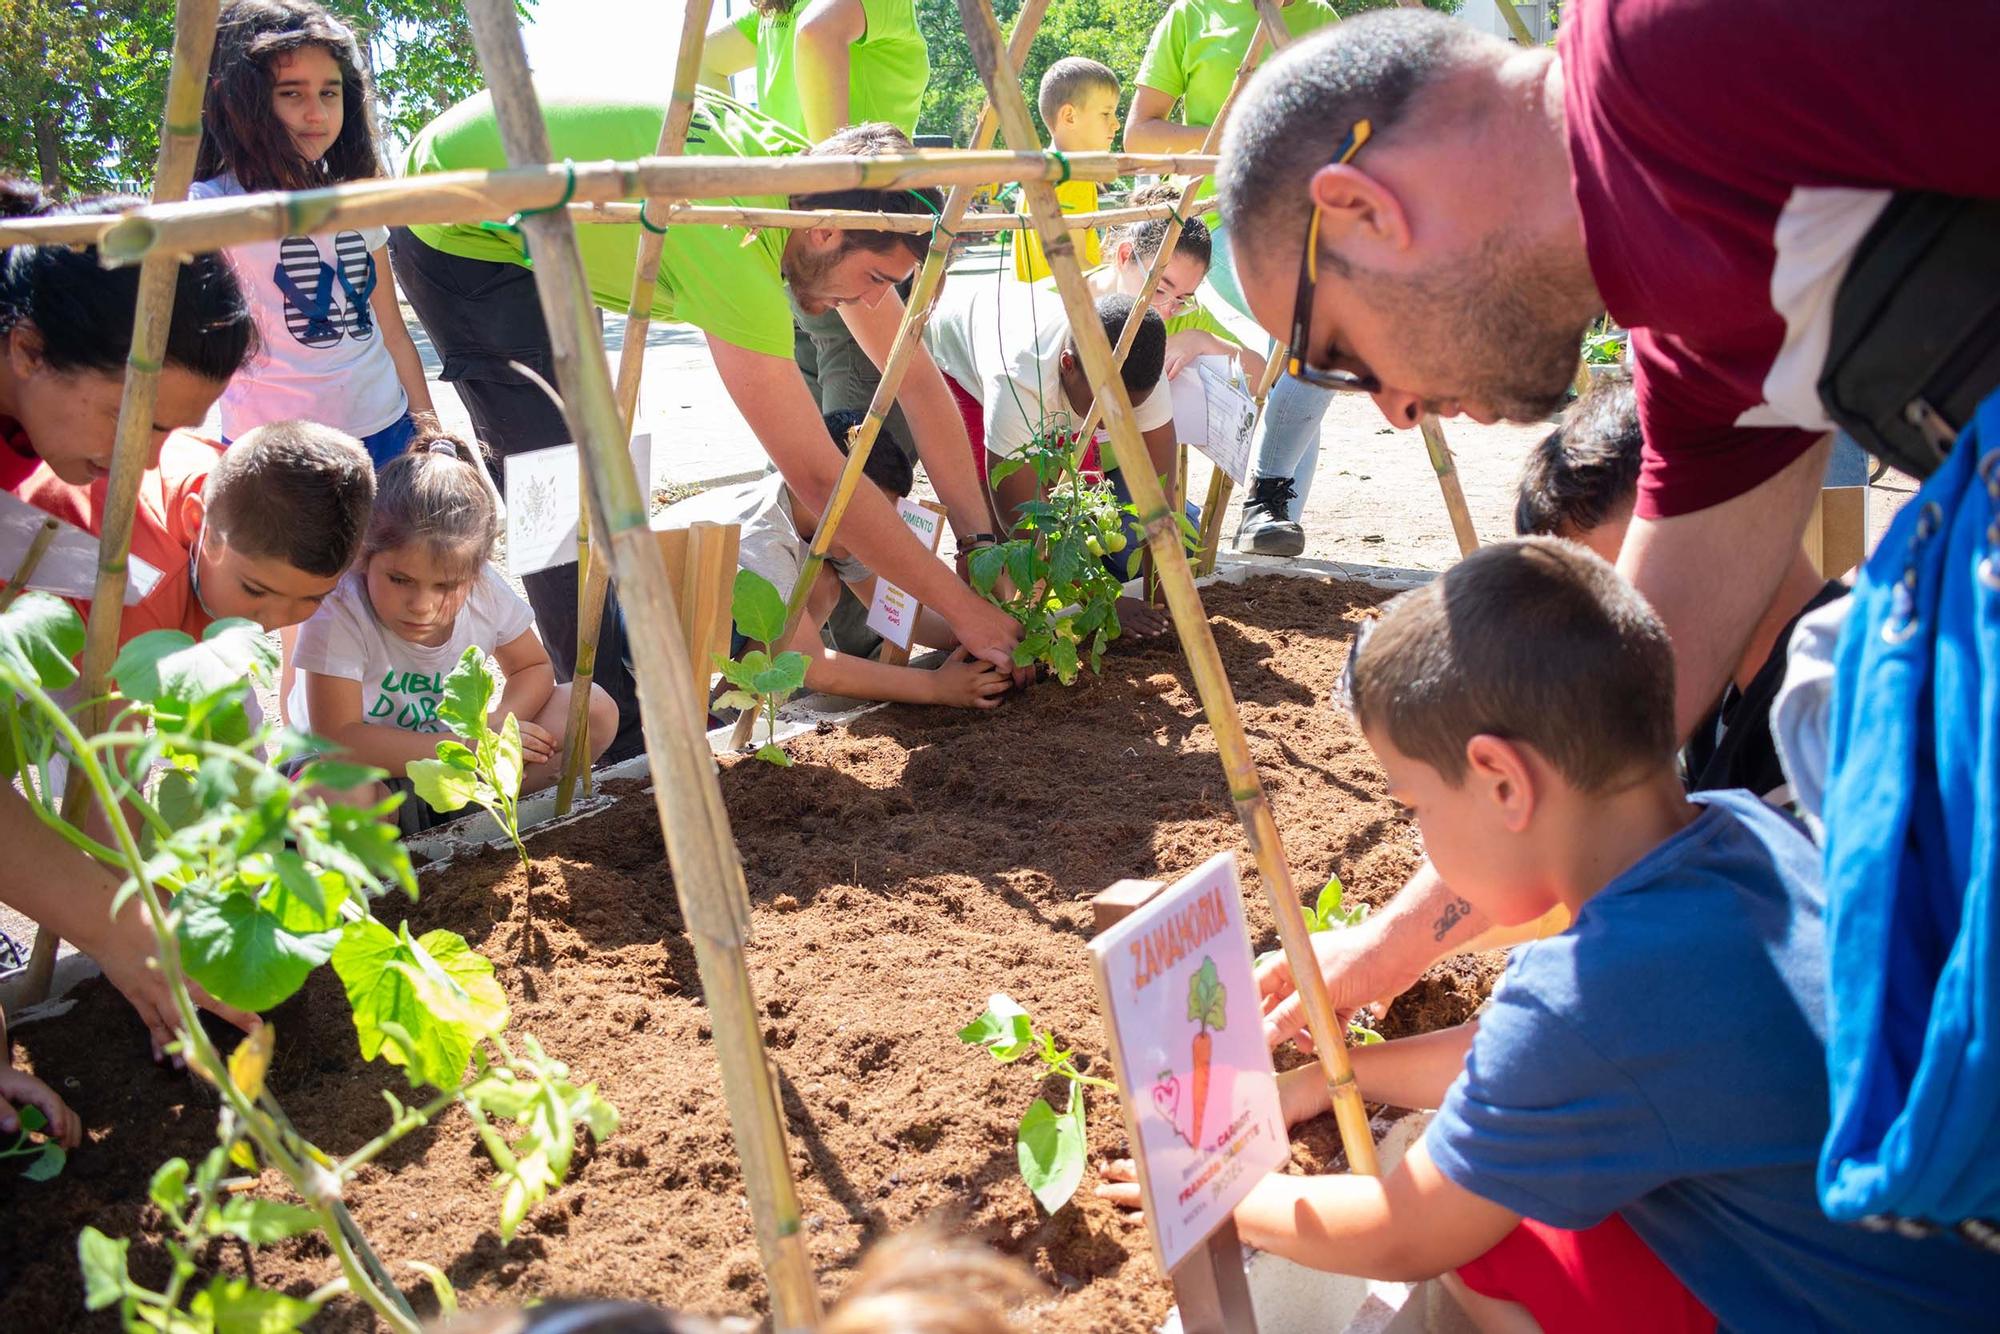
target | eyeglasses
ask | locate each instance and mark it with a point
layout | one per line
(1302, 306)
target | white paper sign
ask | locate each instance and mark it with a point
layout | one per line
(893, 614)
(1214, 412)
(68, 567)
(1187, 1036)
(544, 501)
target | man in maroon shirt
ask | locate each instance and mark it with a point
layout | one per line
(1700, 169)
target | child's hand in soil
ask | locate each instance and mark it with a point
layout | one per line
(965, 682)
(17, 1088)
(1139, 619)
(1344, 963)
(1121, 1183)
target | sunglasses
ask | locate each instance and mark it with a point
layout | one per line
(1302, 305)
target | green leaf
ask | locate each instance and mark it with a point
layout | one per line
(101, 1258)
(468, 695)
(422, 1003)
(1004, 1029)
(339, 775)
(1206, 996)
(242, 954)
(261, 1222)
(736, 699)
(237, 1306)
(368, 847)
(447, 1297)
(31, 1119)
(1062, 660)
(985, 565)
(184, 680)
(302, 900)
(1051, 1150)
(47, 1164)
(506, 759)
(169, 1185)
(40, 638)
(1005, 468)
(785, 675)
(758, 608)
(1362, 1036)
(773, 753)
(442, 787)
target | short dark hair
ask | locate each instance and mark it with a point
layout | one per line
(1148, 235)
(1148, 357)
(83, 311)
(1536, 640)
(295, 491)
(1065, 82)
(886, 466)
(1291, 116)
(873, 140)
(1585, 470)
(241, 134)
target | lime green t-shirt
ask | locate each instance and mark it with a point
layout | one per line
(1198, 47)
(887, 69)
(725, 280)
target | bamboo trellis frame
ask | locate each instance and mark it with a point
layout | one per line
(913, 223)
(1183, 600)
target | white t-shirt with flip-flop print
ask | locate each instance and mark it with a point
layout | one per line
(320, 356)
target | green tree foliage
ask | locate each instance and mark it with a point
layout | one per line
(83, 82)
(1112, 31)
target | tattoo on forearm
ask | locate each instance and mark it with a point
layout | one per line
(1455, 912)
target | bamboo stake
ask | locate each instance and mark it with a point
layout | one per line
(595, 570)
(625, 213)
(909, 337)
(708, 876)
(31, 559)
(480, 196)
(1190, 622)
(132, 454)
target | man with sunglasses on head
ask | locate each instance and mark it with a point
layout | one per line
(1439, 216)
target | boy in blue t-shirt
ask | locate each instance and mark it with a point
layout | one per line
(1626, 1137)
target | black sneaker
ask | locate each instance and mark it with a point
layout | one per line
(1267, 528)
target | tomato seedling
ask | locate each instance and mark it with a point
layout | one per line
(45, 1156)
(478, 765)
(761, 680)
(1051, 1147)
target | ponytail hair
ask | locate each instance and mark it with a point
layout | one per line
(438, 492)
(83, 312)
(240, 131)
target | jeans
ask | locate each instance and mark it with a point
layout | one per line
(1287, 439)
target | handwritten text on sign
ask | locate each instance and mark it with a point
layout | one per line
(1200, 1098)
(893, 615)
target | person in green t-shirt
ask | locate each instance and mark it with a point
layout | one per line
(1193, 59)
(472, 287)
(825, 64)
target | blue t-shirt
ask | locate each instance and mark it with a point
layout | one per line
(1664, 1059)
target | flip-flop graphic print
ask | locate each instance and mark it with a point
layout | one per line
(308, 284)
(357, 279)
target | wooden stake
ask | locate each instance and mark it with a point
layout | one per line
(1219, 485)
(708, 876)
(595, 570)
(133, 453)
(31, 559)
(667, 215)
(1190, 621)
(481, 196)
(910, 337)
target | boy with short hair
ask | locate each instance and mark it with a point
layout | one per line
(1654, 1077)
(776, 539)
(1079, 104)
(1581, 482)
(262, 530)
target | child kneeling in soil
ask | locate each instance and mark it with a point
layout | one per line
(1626, 1138)
(372, 661)
(777, 533)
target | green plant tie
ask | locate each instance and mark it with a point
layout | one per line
(1061, 160)
(513, 224)
(648, 223)
(937, 220)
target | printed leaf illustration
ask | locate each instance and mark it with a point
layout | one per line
(1206, 995)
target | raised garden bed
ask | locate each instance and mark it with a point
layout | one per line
(906, 866)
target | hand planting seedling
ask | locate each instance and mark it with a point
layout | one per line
(43, 1157)
(1331, 912)
(252, 883)
(477, 765)
(761, 679)
(1050, 1147)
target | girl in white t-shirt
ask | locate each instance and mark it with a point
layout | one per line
(373, 659)
(287, 109)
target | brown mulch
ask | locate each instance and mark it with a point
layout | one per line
(906, 867)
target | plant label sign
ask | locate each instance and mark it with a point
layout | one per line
(1187, 1036)
(545, 500)
(67, 566)
(893, 614)
(1213, 413)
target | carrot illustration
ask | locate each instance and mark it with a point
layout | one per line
(1205, 1007)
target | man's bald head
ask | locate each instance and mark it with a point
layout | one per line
(1285, 127)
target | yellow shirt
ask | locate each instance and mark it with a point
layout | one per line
(1030, 264)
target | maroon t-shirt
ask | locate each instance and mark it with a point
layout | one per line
(1727, 156)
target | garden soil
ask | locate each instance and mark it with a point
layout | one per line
(904, 868)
